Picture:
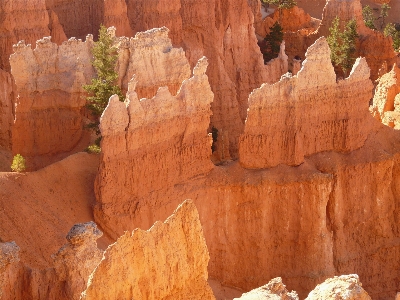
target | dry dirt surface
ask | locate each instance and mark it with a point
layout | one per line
(38, 209)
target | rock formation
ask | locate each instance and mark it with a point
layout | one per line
(51, 201)
(21, 19)
(6, 109)
(282, 221)
(49, 98)
(386, 101)
(78, 18)
(152, 59)
(169, 261)
(340, 288)
(167, 141)
(369, 43)
(115, 15)
(276, 132)
(65, 280)
(275, 289)
(77, 259)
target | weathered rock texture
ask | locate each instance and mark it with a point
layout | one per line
(345, 287)
(275, 289)
(223, 32)
(278, 132)
(115, 15)
(303, 223)
(66, 280)
(78, 18)
(48, 120)
(152, 59)
(6, 109)
(372, 45)
(77, 259)
(167, 141)
(386, 102)
(169, 261)
(51, 201)
(21, 19)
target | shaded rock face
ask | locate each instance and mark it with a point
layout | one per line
(6, 109)
(75, 261)
(73, 264)
(386, 102)
(166, 137)
(279, 131)
(297, 222)
(340, 287)
(369, 41)
(223, 32)
(169, 261)
(275, 289)
(78, 17)
(21, 19)
(49, 98)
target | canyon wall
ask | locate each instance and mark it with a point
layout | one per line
(304, 223)
(167, 141)
(6, 109)
(223, 32)
(49, 98)
(169, 261)
(275, 131)
(386, 101)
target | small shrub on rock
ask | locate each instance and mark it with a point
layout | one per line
(18, 163)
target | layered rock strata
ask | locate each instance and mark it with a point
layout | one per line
(151, 57)
(169, 261)
(167, 132)
(6, 109)
(276, 133)
(280, 221)
(223, 32)
(49, 98)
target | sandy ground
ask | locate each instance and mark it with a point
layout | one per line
(37, 209)
(222, 292)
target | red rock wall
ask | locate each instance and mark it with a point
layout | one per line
(6, 109)
(78, 17)
(22, 20)
(167, 141)
(48, 120)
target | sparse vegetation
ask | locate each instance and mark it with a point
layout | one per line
(281, 4)
(95, 149)
(343, 44)
(271, 44)
(18, 163)
(368, 16)
(394, 32)
(104, 85)
(384, 13)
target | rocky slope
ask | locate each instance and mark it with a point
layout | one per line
(6, 109)
(169, 261)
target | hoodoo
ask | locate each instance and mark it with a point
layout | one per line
(291, 160)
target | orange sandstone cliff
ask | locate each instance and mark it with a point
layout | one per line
(169, 261)
(304, 223)
(49, 98)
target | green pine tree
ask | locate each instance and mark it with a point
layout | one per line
(272, 42)
(384, 13)
(368, 16)
(281, 4)
(390, 30)
(343, 44)
(103, 86)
